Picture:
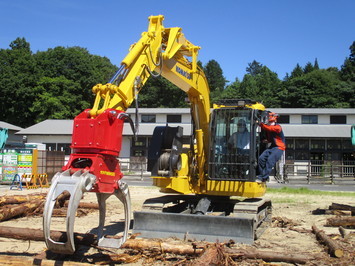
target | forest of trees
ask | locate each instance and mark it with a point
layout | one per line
(56, 84)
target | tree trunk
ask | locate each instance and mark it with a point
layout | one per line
(4, 200)
(268, 256)
(85, 205)
(337, 206)
(341, 221)
(37, 235)
(7, 212)
(333, 247)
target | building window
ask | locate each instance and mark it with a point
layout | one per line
(173, 118)
(138, 153)
(148, 119)
(338, 119)
(139, 147)
(284, 119)
(309, 119)
(333, 145)
(64, 147)
(290, 145)
(140, 142)
(302, 144)
(51, 146)
(317, 144)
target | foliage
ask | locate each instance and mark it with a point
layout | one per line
(215, 78)
(159, 92)
(18, 75)
(56, 84)
(262, 85)
(52, 84)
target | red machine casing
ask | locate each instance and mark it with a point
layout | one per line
(97, 141)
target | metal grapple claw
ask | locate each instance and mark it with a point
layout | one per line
(76, 185)
(122, 193)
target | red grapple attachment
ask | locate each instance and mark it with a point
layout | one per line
(92, 167)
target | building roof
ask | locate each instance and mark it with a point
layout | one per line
(65, 127)
(147, 129)
(9, 126)
(159, 110)
(316, 131)
(49, 127)
(314, 111)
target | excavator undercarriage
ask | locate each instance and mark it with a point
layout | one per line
(203, 218)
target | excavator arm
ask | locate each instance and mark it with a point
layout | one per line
(97, 133)
(163, 51)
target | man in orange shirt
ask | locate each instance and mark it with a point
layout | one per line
(271, 155)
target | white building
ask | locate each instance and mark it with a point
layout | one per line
(311, 134)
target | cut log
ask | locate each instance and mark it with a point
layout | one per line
(341, 221)
(85, 205)
(155, 245)
(268, 256)
(62, 198)
(151, 245)
(333, 248)
(37, 235)
(8, 212)
(4, 200)
(344, 207)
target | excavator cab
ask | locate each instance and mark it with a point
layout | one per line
(235, 141)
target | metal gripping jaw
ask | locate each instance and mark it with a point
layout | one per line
(76, 184)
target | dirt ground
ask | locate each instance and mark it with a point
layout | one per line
(290, 231)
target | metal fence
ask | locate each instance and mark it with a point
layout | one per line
(317, 172)
(326, 172)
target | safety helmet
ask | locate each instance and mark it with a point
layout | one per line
(273, 117)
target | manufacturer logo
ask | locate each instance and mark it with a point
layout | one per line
(183, 72)
(107, 173)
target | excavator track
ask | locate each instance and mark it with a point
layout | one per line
(203, 218)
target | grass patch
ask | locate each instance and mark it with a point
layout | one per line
(306, 191)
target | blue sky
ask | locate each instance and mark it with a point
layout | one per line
(277, 33)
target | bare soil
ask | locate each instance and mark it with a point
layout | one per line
(290, 232)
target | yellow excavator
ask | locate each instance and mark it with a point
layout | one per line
(209, 186)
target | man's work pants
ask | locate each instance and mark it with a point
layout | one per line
(267, 160)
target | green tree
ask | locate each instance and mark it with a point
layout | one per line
(254, 68)
(297, 72)
(308, 68)
(214, 75)
(232, 91)
(18, 75)
(159, 92)
(215, 78)
(317, 89)
(348, 68)
(78, 65)
(316, 65)
(264, 87)
(55, 99)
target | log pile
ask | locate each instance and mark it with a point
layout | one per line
(19, 206)
(135, 250)
(203, 252)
